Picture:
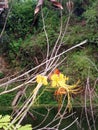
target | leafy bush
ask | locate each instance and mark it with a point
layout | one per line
(91, 15)
(81, 65)
(5, 124)
(21, 18)
(23, 51)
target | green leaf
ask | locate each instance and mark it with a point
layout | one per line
(26, 127)
(0, 116)
(5, 119)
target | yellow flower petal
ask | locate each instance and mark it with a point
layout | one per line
(54, 77)
(61, 76)
(58, 80)
(61, 80)
(41, 79)
(45, 81)
(61, 83)
(54, 80)
(54, 84)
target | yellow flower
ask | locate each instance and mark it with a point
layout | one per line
(65, 89)
(58, 80)
(54, 79)
(41, 79)
(61, 80)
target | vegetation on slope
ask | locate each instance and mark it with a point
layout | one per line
(24, 42)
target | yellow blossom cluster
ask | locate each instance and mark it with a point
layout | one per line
(41, 80)
(59, 81)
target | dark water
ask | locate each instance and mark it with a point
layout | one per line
(38, 113)
(66, 122)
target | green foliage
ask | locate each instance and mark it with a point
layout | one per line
(23, 52)
(6, 100)
(75, 35)
(26, 127)
(24, 46)
(35, 45)
(21, 18)
(91, 15)
(4, 121)
(5, 124)
(1, 75)
(47, 98)
(81, 65)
